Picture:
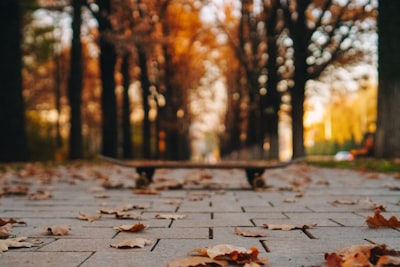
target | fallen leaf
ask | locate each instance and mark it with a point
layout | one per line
(132, 243)
(170, 216)
(40, 195)
(175, 202)
(146, 191)
(379, 221)
(58, 230)
(251, 264)
(288, 227)
(344, 202)
(363, 255)
(128, 215)
(17, 242)
(101, 196)
(11, 221)
(228, 252)
(6, 230)
(19, 190)
(131, 228)
(196, 261)
(141, 206)
(248, 233)
(90, 218)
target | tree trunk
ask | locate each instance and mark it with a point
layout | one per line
(108, 59)
(75, 85)
(145, 84)
(387, 143)
(126, 109)
(13, 145)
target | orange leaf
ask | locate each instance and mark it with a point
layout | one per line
(379, 221)
(131, 228)
(363, 255)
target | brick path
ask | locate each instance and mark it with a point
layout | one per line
(296, 195)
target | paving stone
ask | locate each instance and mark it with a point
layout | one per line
(44, 259)
(211, 215)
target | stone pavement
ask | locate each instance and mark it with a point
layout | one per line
(214, 203)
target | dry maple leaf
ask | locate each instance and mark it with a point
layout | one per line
(90, 218)
(248, 233)
(131, 228)
(16, 190)
(16, 242)
(196, 261)
(141, 206)
(363, 255)
(40, 195)
(146, 191)
(132, 243)
(344, 202)
(175, 202)
(11, 221)
(288, 227)
(379, 221)
(170, 216)
(228, 252)
(128, 215)
(58, 230)
(6, 230)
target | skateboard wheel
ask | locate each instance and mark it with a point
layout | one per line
(142, 181)
(258, 182)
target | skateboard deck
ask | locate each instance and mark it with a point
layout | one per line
(146, 168)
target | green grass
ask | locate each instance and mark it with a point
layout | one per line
(365, 164)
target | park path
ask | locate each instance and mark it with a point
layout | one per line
(213, 203)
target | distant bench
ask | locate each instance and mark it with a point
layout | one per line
(253, 168)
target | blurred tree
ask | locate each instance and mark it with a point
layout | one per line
(13, 145)
(102, 10)
(387, 144)
(75, 84)
(321, 32)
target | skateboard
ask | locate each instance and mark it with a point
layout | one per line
(146, 168)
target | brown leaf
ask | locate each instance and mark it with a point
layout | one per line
(101, 196)
(196, 261)
(58, 230)
(248, 233)
(363, 255)
(132, 243)
(333, 259)
(40, 195)
(127, 215)
(344, 202)
(11, 221)
(288, 227)
(17, 242)
(146, 191)
(131, 228)
(228, 252)
(379, 221)
(15, 190)
(6, 230)
(170, 216)
(90, 218)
